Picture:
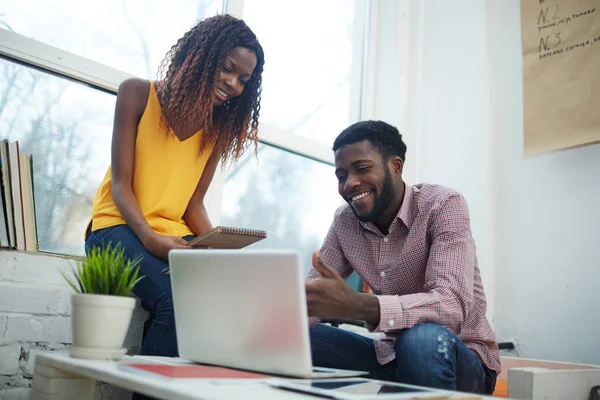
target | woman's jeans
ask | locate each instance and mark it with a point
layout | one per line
(154, 290)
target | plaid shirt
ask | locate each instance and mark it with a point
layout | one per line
(424, 270)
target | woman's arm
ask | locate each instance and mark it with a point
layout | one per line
(132, 97)
(195, 214)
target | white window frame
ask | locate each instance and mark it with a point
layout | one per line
(36, 54)
(395, 74)
(361, 99)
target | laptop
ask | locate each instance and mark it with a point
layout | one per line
(244, 309)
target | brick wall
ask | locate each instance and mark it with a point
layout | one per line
(35, 316)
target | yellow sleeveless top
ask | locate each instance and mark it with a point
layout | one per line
(166, 173)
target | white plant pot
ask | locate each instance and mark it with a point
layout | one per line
(100, 323)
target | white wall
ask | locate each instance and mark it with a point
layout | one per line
(535, 220)
(393, 57)
(548, 238)
(440, 82)
(454, 147)
(35, 317)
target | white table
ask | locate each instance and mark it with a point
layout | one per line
(58, 376)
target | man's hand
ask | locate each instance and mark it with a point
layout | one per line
(331, 297)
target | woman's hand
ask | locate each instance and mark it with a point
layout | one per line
(160, 245)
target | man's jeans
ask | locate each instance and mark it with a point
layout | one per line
(426, 355)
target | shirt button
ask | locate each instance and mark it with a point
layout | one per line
(385, 239)
(382, 274)
(391, 322)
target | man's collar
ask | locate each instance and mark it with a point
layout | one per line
(406, 209)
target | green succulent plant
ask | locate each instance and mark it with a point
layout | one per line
(105, 270)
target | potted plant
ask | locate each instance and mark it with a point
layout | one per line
(102, 305)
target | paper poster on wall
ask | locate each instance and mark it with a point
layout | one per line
(561, 73)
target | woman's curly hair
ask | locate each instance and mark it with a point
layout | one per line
(186, 86)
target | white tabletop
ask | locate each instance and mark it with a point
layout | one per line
(112, 372)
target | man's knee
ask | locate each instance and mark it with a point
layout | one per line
(423, 349)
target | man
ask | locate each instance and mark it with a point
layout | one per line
(413, 246)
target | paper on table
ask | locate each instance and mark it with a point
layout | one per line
(191, 371)
(561, 73)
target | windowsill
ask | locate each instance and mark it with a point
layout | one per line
(42, 254)
(36, 268)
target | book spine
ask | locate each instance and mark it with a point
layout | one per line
(15, 186)
(35, 226)
(27, 199)
(6, 177)
(24, 238)
(4, 242)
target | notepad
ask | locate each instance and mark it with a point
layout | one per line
(225, 237)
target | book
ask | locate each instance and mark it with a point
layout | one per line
(7, 193)
(17, 195)
(192, 371)
(225, 237)
(4, 241)
(31, 243)
(18, 226)
(35, 227)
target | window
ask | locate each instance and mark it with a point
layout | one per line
(57, 99)
(313, 63)
(312, 87)
(291, 197)
(66, 127)
(130, 35)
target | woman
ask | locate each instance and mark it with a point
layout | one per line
(168, 138)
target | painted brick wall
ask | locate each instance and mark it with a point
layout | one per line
(35, 316)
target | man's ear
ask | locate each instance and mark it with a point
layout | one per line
(397, 165)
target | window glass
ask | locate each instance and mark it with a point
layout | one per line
(130, 35)
(66, 127)
(313, 58)
(291, 197)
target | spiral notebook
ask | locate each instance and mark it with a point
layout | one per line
(225, 237)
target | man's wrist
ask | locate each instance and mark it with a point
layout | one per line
(366, 308)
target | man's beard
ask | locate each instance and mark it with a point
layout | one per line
(382, 201)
